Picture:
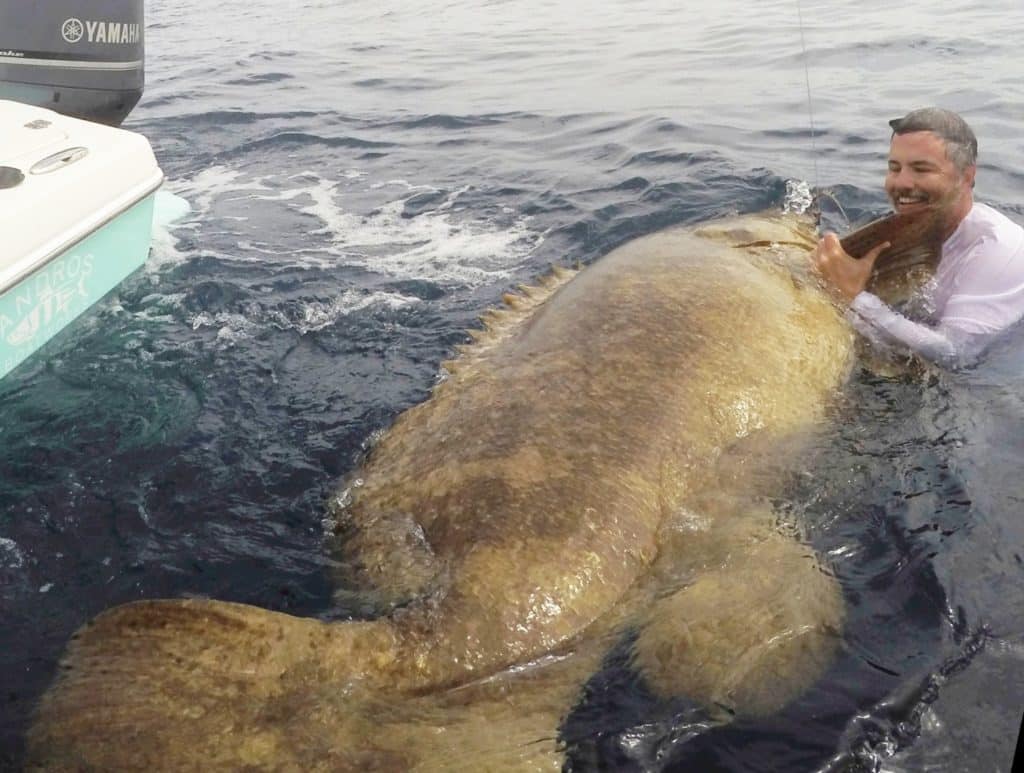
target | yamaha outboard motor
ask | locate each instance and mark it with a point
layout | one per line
(79, 57)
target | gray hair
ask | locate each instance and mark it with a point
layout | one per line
(961, 144)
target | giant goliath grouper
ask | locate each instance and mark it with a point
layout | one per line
(588, 469)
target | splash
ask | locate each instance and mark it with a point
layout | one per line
(798, 197)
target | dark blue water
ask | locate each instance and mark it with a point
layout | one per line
(366, 179)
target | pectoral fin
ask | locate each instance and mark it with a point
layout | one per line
(747, 637)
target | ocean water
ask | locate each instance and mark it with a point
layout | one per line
(366, 179)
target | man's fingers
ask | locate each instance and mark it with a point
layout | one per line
(844, 276)
(825, 251)
(830, 244)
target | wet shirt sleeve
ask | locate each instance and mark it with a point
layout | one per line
(887, 329)
(987, 297)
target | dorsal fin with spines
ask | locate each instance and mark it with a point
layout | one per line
(499, 323)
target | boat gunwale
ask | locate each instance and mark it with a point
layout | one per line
(50, 254)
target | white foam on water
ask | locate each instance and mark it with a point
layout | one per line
(231, 328)
(245, 246)
(11, 556)
(444, 245)
(201, 190)
(310, 317)
(317, 315)
(160, 307)
(400, 182)
(163, 248)
(447, 244)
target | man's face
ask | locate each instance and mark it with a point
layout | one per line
(920, 176)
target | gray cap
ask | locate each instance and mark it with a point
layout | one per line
(961, 144)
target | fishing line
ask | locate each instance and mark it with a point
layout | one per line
(807, 80)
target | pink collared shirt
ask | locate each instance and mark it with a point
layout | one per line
(977, 292)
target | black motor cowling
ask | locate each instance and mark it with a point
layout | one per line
(79, 57)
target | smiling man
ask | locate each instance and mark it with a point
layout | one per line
(978, 289)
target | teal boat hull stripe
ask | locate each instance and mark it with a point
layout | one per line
(46, 301)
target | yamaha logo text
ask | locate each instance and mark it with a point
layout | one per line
(76, 30)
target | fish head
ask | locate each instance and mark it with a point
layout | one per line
(913, 254)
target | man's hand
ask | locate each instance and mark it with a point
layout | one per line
(845, 276)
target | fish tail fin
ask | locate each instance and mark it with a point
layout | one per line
(206, 685)
(196, 684)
